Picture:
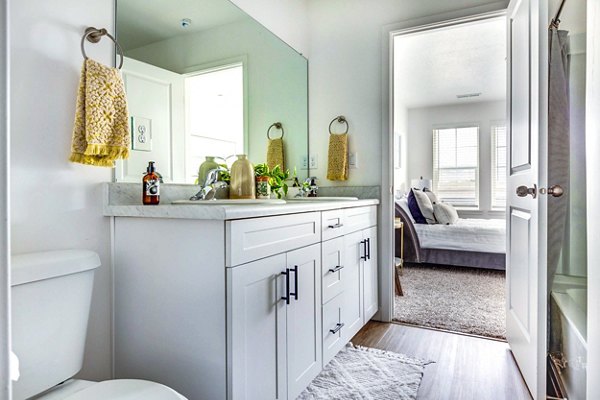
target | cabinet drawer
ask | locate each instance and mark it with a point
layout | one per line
(255, 238)
(332, 268)
(333, 328)
(358, 218)
(332, 224)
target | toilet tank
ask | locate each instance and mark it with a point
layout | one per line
(51, 295)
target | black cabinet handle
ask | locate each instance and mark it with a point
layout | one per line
(336, 226)
(337, 328)
(287, 286)
(336, 269)
(295, 271)
(364, 243)
(368, 248)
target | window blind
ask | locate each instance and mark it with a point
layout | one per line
(499, 166)
(456, 165)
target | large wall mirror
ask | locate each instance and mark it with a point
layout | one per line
(204, 79)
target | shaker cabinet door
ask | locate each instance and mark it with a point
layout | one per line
(257, 329)
(304, 337)
(370, 286)
(353, 303)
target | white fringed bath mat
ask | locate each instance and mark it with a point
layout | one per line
(363, 373)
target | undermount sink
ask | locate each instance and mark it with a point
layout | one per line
(223, 202)
(324, 198)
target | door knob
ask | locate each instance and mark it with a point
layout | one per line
(523, 191)
(554, 191)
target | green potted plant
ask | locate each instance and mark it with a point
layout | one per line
(278, 178)
(262, 176)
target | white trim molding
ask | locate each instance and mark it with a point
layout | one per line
(593, 195)
(5, 340)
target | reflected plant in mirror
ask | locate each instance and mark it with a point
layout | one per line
(209, 81)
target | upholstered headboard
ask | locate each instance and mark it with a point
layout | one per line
(412, 247)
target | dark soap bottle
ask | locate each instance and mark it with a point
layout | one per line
(151, 186)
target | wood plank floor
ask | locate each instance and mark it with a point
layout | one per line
(465, 367)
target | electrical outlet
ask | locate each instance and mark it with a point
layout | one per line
(312, 162)
(353, 160)
(304, 162)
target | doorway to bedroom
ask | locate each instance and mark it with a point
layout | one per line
(449, 104)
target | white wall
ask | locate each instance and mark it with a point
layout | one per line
(287, 19)
(345, 69)
(421, 122)
(56, 204)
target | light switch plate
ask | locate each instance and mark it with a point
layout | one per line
(304, 162)
(141, 134)
(312, 161)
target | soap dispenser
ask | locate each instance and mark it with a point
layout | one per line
(151, 186)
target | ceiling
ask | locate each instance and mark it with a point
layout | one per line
(142, 22)
(431, 68)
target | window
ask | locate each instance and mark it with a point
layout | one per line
(499, 166)
(214, 115)
(456, 165)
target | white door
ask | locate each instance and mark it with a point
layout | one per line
(526, 213)
(352, 308)
(155, 104)
(304, 336)
(258, 331)
(370, 292)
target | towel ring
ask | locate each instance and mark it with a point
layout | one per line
(341, 120)
(94, 35)
(276, 125)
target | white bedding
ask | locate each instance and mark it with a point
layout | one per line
(482, 235)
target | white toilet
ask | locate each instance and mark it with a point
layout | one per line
(51, 295)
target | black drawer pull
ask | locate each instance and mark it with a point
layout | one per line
(295, 271)
(287, 286)
(364, 243)
(336, 269)
(368, 248)
(336, 226)
(337, 328)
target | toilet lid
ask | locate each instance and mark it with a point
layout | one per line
(126, 389)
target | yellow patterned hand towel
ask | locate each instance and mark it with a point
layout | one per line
(101, 132)
(275, 153)
(337, 163)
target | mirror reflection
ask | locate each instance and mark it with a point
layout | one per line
(205, 82)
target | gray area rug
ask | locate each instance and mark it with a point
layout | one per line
(362, 373)
(467, 300)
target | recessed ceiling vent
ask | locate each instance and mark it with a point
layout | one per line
(467, 95)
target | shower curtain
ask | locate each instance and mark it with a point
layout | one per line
(558, 146)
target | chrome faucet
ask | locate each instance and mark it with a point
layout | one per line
(211, 185)
(312, 189)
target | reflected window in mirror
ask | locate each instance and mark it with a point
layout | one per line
(214, 116)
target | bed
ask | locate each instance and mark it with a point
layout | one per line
(468, 243)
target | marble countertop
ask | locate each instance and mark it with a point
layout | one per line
(120, 203)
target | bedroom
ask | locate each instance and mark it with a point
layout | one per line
(449, 177)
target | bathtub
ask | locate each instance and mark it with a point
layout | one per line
(568, 313)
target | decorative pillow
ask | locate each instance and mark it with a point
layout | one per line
(424, 205)
(413, 207)
(445, 213)
(403, 202)
(432, 197)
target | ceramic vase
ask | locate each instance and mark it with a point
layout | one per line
(242, 184)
